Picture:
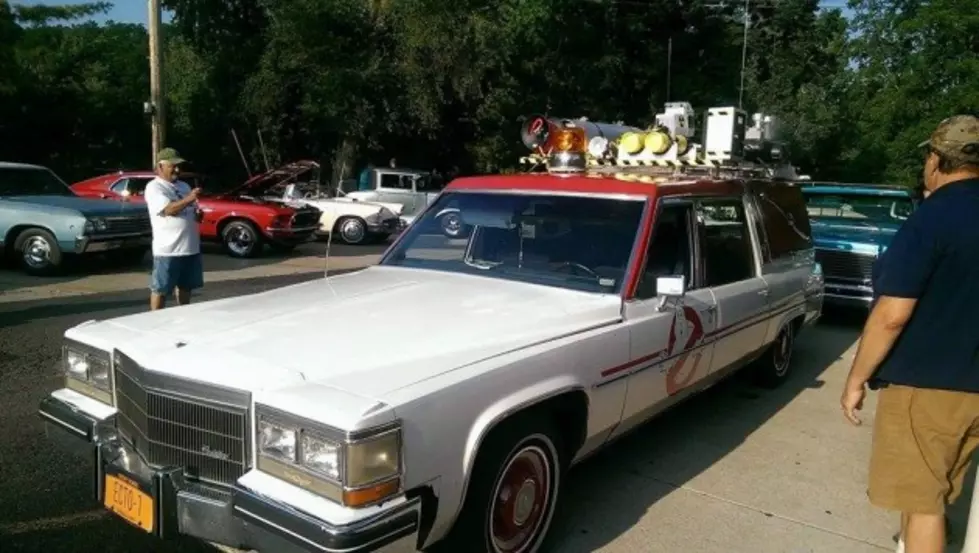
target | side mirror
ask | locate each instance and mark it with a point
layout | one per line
(670, 287)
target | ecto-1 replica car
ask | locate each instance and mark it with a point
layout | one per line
(584, 300)
(852, 225)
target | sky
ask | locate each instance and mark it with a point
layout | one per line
(134, 11)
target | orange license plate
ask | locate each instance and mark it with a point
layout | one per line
(129, 502)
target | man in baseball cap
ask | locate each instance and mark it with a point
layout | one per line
(919, 346)
(172, 205)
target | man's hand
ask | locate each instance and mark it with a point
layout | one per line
(852, 401)
(194, 193)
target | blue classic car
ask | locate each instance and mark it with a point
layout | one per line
(42, 221)
(852, 225)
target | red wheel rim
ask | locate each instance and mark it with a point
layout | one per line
(520, 500)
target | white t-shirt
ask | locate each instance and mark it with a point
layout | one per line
(172, 235)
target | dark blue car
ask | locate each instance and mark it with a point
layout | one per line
(852, 225)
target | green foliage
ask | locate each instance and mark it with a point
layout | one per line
(445, 83)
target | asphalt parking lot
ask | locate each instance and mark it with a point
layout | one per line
(735, 469)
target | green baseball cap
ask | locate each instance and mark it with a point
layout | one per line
(956, 138)
(170, 156)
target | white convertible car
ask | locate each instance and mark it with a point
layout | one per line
(349, 219)
(469, 375)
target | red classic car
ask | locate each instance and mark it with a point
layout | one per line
(240, 218)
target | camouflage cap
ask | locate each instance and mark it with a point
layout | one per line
(956, 138)
(170, 156)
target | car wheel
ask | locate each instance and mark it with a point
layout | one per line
(38, 252)
(512, 491)
(452, 225)
(241, 239)
(773, 367)
(351, 230)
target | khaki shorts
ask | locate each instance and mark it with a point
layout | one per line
(922, 449)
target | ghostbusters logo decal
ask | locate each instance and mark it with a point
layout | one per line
(687, 329)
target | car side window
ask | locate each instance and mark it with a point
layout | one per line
(394, 181)
(726, 241)
(119, 186)
(138, 185)
(669, 252)
(786, 220)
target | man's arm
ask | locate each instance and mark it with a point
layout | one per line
(904, 273)
(159, 203)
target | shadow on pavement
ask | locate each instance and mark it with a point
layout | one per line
(674, 448)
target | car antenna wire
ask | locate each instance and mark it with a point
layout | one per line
(326, 258)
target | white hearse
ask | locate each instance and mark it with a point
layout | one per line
(634, 271)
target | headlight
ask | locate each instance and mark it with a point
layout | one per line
(87, 371)
(97, 225)
(353, 471)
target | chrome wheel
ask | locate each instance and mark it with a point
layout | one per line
(782, 351)
(353, 231)
(452, 225)
(37, 252)
(521, 501)
(240, 240)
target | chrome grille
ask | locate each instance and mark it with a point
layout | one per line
(306, 218)
(125, 225)
(170, 427)
(846, 265)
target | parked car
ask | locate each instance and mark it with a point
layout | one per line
(42, 222)
(579, 307)
(350, 219)
(852, 226)
(410, 188)
(241, 218)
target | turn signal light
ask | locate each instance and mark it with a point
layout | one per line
(373, 494)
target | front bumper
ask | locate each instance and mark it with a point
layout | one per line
(233, 516)
(386, 227)
(95, 243)
(296, 235)
(848, 295)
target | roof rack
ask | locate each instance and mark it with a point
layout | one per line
(731, 148)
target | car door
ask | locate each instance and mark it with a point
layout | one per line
(669, 343)
(731, 272)
(781, 225)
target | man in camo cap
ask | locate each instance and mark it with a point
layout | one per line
(920, 347)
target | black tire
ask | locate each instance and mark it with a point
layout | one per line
(38, 252)
(351, 231)
(241, 239)
(774, 366)
(452, 225)
(527, 449)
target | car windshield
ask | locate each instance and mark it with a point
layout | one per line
(574, 242)
(859, 206)
(31, 181)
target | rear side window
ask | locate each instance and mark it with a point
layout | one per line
(783, 212)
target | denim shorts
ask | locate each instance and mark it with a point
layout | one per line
(179, 271)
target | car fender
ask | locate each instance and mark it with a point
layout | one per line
(451, 500)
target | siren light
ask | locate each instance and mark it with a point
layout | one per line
(538, 133)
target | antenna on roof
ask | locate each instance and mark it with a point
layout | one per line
(241, 153)
(265, 154)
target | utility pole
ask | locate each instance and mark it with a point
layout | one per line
(744, 54)
(156, 108)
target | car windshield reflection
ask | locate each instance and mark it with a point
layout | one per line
(580, 243)
(28, 181)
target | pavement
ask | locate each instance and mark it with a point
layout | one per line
(736, 469)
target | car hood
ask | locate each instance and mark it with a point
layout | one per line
(352, 205)
(368, 333)
(88, 206)
(259, 184)
(836, 232)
